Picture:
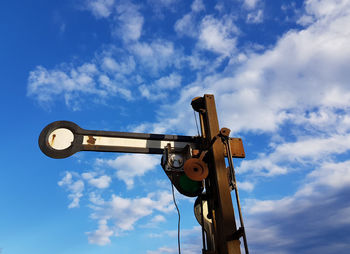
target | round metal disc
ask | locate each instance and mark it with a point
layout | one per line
(196, 169)
(61, 138)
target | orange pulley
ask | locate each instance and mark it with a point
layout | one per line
(196, 169)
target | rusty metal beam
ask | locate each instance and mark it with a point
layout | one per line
(217, 186)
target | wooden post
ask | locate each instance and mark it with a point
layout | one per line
(217, 183)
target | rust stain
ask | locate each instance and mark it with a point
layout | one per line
(195, 152)
(225, 132)
(91, 140)
(237, 149)
(53, 139)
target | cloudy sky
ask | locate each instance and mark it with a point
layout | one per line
(280, 74)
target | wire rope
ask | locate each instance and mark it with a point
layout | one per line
(178, 223)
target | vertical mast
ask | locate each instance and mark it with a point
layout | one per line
(217, 184)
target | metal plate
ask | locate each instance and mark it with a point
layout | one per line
(196, 169)
(237, 149)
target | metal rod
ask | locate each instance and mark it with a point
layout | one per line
(179, 220)
(229, 155)
(201, 121)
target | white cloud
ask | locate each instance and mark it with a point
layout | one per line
(130, 166)
(101, 8)
(327, 8)
(96, 199)
(129, 22)
(111, 73)
(124, 213)
(162, 250)
(154, 223)
(160, 8)
(269, 89)
(246, 186)
(191, 242)
(335, 175)
(75, 189)
(118, 214)
(255, 17)
(169, 82)
(108, 74)
(218, 35)
(158, 89)
(110, 64)
(186, 25)
(45, 85)
(306, 150)
(125, 66)
(102, 235)
(101, 182)
(197, 6)
(247, 84)
(156, 55)
(158, 218)
(321, 202)
(323, 9)
(251, 4)
(164, 3)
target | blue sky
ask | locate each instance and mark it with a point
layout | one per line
(279, 71)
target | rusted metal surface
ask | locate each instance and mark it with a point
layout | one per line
(237, 149)
(198, 104)
(196, 169)
(225, 132)
(91, 140)
(52, 140)
(241, 230)
(195, 152)
(217, 184)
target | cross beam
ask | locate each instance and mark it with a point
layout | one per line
(62, 139)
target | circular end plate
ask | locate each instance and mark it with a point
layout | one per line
(196, 169)
(60, 139)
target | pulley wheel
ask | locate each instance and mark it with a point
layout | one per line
(196, 169)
